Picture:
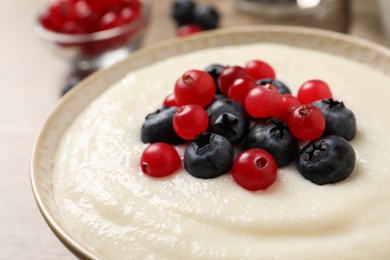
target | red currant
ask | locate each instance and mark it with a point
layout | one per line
(240, 88)
(306, 122)
(263, 101)
(190, 121)
(313, 90)
(289, 102)
(108, 21)
(73, 27)
(188, 29)
(255, 169)
(195, 87)
(258, 69)
(128, 15)
(228, 76)
(99, 6)
(170, 101)
(160, 160)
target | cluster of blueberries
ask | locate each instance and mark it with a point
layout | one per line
(190, 17)
(329, 159)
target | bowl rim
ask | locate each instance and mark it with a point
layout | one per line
(66, 38)
(62, 234)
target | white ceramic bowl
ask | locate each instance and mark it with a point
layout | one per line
(78, 98)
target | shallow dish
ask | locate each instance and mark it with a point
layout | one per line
(76, 100)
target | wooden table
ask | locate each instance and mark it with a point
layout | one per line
(31, 79)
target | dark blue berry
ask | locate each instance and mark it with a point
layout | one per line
(274, 136)
(182, 11)
(282, 88)
(339, 119)
(209, 156)
(229, 119)
(158, 127)
(220, 96)
(215, 70)
(327, 160)
(206, 16)
(75, 77)
(69, 85)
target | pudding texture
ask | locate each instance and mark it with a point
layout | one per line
(123, 214)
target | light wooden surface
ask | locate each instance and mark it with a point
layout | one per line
(30, 82)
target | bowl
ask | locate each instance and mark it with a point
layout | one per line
(73, 103)
(94, 50)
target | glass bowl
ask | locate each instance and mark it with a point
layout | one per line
(95, 50)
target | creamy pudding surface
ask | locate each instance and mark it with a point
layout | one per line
(115, 208)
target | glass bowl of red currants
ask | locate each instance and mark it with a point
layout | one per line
(93, 33)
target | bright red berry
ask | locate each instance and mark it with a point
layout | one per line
(313, 90)
(190, 121)
(188, 29)
(289, 102)
(159, 160)
(228, 76)
(195, 87)
(255, 169)
(108, 21)
(129, 15)
(263, 101)
(240, 88)
(258, 69)
(306, 122)
(170, 101)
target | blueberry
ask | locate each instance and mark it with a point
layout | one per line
(228, 118)
(158, 127)
(328, 160)
(215, 70)
(182, 11)
(274, 136)
(220, 96)
(209, 156)
(339, 119)
(282, 88)
(69, 85)
(206, 16)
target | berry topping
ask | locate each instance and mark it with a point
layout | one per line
(215, 70)
(339, 119)
(195, 87)
(206, 16)
(209, 156)
(273, 141)
(160, 160)
(263, 101)
(182, 11)
(254, 169)
(289, 103)
(306, 122)
(158, 127)
(282, 88)
(273, 136)
(190, 121)
(240, 88)
(170, 101)
(258, 69)
(328, 160)
(228, 76)
(188, 29)
(228, 118)
(313, 90)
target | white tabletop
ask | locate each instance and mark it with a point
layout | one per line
(31, 79)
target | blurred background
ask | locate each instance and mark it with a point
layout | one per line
(32, 79)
